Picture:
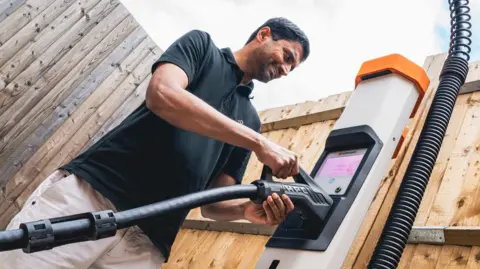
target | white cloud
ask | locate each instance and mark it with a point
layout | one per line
(343, 34)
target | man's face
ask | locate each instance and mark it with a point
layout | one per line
(273, 59)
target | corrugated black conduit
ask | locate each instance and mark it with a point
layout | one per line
(395, 234)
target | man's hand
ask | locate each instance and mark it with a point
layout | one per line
(283, 162)
(271, 212)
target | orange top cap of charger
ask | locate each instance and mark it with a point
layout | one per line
(396, 63)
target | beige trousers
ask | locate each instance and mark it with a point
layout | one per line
(64, 194)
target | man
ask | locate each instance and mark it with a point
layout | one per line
(195, 130)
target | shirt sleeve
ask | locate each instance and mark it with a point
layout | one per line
(239, 158)
(237, 164)
(187, 52)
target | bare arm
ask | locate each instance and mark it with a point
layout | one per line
(272, 212)
(166, 97)
(226, 210)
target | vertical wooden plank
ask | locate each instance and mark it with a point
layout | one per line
(207, 249)
(138, 78)
(7, 216)
(474, 258)
(28, 32)
(453, 257)
(71, 125)
(14, 23)
(34, 112)
(11, 163)
(7, 7)
(425, 256)
(89, 15)
(406, 261)
(79, 59)
(445, 206)
(38, 59)
(127, 107)
(440, 168)
(466, 211)
(27, 54)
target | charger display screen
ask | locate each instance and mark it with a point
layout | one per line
(337, 171)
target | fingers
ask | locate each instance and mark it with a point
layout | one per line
(277, 214)
(269, 213)
(290, 167)
(280, 208)
(284, 171)
(296, 167)
(288, 203)
(277, 208)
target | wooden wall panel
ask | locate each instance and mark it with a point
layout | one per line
(70, 72)
(7, 7)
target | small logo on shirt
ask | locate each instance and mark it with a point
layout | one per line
(240, 121)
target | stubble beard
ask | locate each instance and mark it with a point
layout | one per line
(259, 59)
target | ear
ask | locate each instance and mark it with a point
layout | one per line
(264, 34)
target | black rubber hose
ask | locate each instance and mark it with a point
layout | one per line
(393, 239)
(132, 216)
(69, 230)
(12, 239)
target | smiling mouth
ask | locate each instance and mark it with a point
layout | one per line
(272, 73)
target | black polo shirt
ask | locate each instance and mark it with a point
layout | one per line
(145, 159)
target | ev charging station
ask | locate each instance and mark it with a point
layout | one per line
(357, 155)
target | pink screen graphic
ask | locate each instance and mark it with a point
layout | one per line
(341, 166)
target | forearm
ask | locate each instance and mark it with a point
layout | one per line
(226, 210)
(186, 111)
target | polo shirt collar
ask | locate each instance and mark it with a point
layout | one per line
(245, 90)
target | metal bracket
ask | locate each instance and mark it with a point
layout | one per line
(427, 234)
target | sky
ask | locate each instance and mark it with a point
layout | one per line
(343, 34)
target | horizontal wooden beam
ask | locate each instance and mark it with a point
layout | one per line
(472, 81)
(437, 235)
(297, 115)
(243, 227)
(298, 121)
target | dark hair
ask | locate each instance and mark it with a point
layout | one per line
(282, 28)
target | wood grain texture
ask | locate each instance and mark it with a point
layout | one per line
(84, 71)
(36, 47)
(89, 71)
(37, 25)
(137, 45)
(304, 113)
(63, 138)
(31, 114)
(7, 7)
(21, 17)
(60, 57)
